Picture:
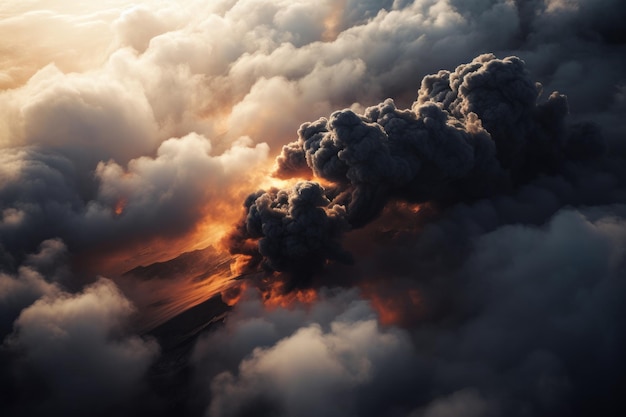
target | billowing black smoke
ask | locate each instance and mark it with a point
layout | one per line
(472, 133)
(296, 229)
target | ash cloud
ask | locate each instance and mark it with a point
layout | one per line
(473, 133)
(295, 230)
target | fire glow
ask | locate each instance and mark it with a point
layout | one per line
(120, 206)
(272, 293)
(393, 308)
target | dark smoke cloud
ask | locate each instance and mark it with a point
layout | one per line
(472, 133)
(533, 321)
(295, 230)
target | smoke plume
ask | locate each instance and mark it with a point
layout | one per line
(473, 133)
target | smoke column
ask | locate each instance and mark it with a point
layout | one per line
(480, 130)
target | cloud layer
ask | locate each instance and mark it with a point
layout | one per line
(528, 324)
(66, 353)
(158, 71)
(464, 237)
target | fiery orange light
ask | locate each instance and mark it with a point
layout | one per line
(275, 297)
(273, 294)
(332, 22)
(415, 208)
(209, 232)
(232, 295)
(119, 206)
(275, 182)
(240, 265)
(393, 308)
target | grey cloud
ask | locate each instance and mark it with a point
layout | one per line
(331, 362)
(527, 322)
(165, 195)
(51, 180)
(86, 118)
(73, 354)
(466, 402)
(39, 275)
(542, 316)
(333, 359)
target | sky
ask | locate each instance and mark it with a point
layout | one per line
(424, 202)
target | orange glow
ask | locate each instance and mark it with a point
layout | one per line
(394, 308)
(119, 206)
(274, 182)
(199, 281)
(332, 22)
(240, 265)
(209, 232)
(400, 216)
(275, 297)
(233, 294)
(221, 214)
(273, 294)
(324, 182)
(415, 208)
(216, 221)
(182, 295)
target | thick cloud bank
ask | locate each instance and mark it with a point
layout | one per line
(531, 326)
(325, 366)
(150, 197)
(67, 353)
